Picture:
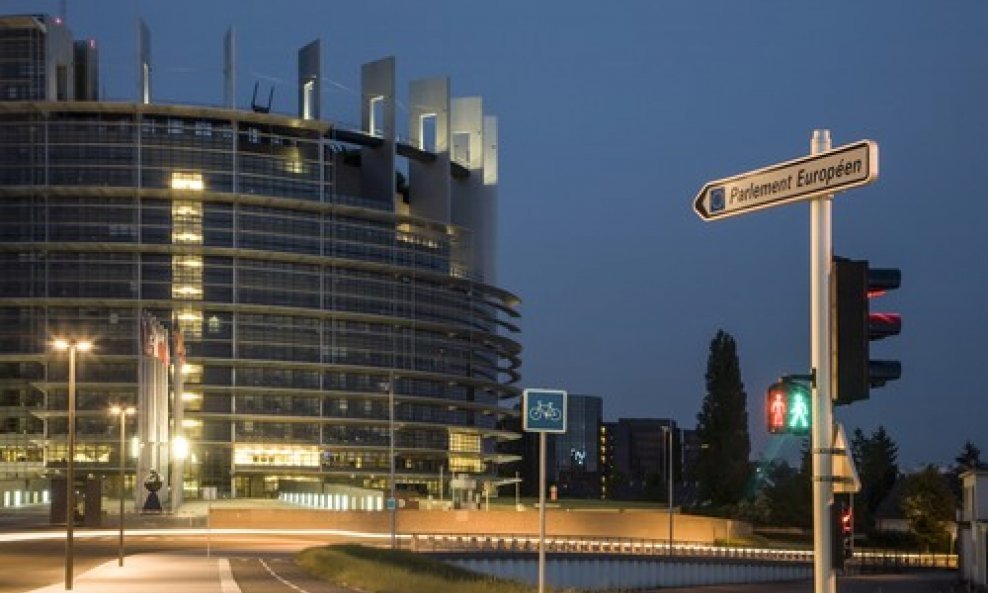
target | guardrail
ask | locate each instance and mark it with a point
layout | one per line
(864, 560)
(524, 543)
(876, 560)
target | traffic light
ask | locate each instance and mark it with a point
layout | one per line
(841, 534)
(855, 326)
(787, 408)
(847, 532)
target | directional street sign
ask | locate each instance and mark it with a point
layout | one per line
(842, 168)
(544, 410)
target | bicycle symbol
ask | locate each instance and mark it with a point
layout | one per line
(545, 410)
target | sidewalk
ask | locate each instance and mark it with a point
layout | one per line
(155, 573)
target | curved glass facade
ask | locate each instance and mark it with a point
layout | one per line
(301, 306)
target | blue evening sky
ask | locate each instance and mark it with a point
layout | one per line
(612, 115)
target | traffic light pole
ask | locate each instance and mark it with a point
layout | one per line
(824, 579)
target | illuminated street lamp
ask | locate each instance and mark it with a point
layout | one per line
(72, 346)
(122, 413)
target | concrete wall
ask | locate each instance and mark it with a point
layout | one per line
(630, 524)
(580, 571)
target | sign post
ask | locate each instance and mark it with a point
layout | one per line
(821, 438)
(543, 411)
(816, 178)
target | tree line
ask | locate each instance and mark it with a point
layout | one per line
(775, 493)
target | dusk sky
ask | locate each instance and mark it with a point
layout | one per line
(612, 115)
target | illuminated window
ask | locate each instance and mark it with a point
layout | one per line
(187, 268)
(464, 452)
(187, 181)
(275, 455)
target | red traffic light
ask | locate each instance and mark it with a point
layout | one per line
(847, 522)
(776, 410)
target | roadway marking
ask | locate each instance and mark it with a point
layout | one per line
(227, 583)
(281, 580)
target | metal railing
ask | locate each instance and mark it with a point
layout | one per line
(524, 543)
(864, 560)
(878, 560)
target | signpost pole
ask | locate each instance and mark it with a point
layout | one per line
(542, 512)
(543, 410)
(824, 580)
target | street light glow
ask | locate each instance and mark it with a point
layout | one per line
(61, 344)
(116, 410)
(180, 447)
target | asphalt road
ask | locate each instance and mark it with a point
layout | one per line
(29, 565)
(276, 575)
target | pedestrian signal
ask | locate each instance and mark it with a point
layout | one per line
(787, 408)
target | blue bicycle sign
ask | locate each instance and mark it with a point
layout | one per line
(544, 410)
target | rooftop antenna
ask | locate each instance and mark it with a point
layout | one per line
(230, 68)
(258, 108)
(62, 10)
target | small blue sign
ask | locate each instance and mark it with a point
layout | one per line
(544, 410)
(717, 199)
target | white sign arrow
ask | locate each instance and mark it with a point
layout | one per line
(842, 168)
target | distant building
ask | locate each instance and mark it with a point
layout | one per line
(972, 539)
(888, 515)
(637, 460)
(608, 477)
(577, 452)
(690, 446)
(37, 59)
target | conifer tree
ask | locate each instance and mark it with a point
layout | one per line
(723, 468)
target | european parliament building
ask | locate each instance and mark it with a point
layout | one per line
(334, 285)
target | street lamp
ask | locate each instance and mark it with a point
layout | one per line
(668, 433)
(122, 413)
(72, 346)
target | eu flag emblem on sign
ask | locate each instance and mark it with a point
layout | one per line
(717, 199)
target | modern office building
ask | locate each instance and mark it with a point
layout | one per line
(318, 291)
(638, 456)
(577, 451)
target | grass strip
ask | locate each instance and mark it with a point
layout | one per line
(376, 570)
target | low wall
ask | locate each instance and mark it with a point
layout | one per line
(624, 573)
(600, 523)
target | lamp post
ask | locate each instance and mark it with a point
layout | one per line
(122, 413)
(668, 432)
(72, 346)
